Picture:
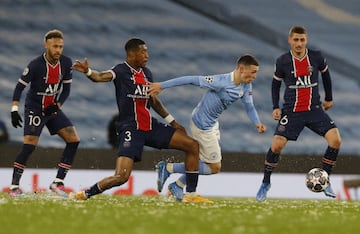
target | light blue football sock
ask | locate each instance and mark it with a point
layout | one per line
(179, 168)
(182, 180)
(204, 168)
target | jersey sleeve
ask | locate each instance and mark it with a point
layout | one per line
(325, 74)
(183, 80)
(252, 113)
(278, 76)
(24, 80)
(248, 101)
(323, 67)
(67, 71)
(116, 71)
(247, 97)
(275, 92)
(64, 93)
(28, 74)
(278, 72)
(215, 82)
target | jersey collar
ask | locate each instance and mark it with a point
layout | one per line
(133, 69)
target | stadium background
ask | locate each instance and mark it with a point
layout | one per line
(184, 37)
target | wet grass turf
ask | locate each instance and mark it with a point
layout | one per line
(103, 214)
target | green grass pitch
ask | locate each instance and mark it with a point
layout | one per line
(103, 214)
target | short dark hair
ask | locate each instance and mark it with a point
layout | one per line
(247, 60)
(133, 44)
(55, 33)
(297, 29)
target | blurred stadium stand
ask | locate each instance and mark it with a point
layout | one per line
(185, 37)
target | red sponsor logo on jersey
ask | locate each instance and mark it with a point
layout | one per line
(52, 80)
(142, 113)
(302, 72)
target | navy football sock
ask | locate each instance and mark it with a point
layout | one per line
(20, 162)
(271, 163)
(93, 190)
(329, 159)
(191, 181)
(67, 159)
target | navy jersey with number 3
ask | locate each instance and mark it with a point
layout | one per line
(131, 97)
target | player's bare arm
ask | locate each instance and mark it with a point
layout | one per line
(154, 89)
(159, 108)
(96, 76)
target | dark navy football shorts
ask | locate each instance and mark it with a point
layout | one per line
(292, 123)
(35, 122)
(132, 141)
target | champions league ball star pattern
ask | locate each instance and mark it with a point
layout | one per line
(317, 180)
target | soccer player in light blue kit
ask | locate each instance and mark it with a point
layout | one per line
(223, 90)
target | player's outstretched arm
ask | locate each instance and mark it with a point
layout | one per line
(159, 108)
(154, 89)
(96, 76)
(81, 66)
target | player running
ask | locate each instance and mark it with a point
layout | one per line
(299, 70)
(136, 125)
(49, 77)
(223, 90)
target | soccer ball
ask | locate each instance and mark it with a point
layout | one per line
(317, 180)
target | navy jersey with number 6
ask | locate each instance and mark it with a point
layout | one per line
(301, 78)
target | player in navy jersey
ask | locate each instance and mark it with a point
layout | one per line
(299, 70)
(223, 90)
(136, 125)
(49, 77)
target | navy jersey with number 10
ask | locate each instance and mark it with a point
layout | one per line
(45, 81)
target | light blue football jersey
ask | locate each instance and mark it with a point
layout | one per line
(221, 93)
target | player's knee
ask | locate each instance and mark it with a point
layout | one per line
(333, 138)
(277, 146)
(77, 139)
(31, 140)
(69, 134)
(120, 179)
(192, 146)
(215, 168)
(336, 143)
